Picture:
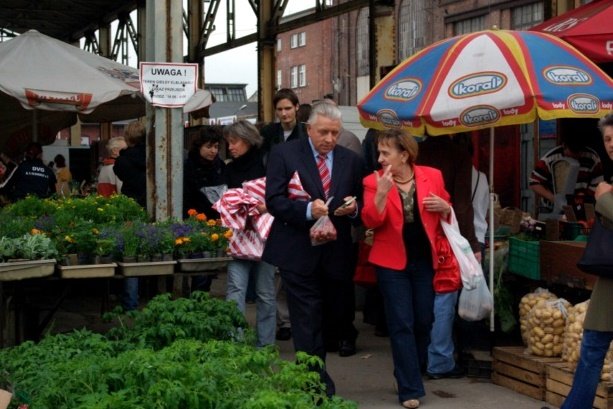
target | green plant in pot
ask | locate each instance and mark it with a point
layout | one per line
(131, 245)
(36, 246)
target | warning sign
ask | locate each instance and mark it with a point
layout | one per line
(168, 85)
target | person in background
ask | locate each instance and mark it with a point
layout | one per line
(404, 204)
(131, 168)
(108, 182)
(63, 176)
(589, 176)
(480, 198)
(131, 164)
(203, 168)
(374, 311)
(247, 163)
(290, 127)
(31, 177)
(455, 164)
(313, 276)
(286, 105)
(598, 324)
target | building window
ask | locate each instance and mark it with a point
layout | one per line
(302, 75)
(412, 28)
(228, 94)
(524, 17)
(279, 79)
(469, 25)
(298, 40)
(279, 44)
(362, 53)
(293, 78)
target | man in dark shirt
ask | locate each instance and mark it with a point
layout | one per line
(32, 176)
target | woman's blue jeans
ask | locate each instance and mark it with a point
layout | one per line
(594, 347)
(408, 297)
(266, 309)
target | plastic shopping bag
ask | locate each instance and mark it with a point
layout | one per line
(477, 303)
(322, 231)
(470, 268)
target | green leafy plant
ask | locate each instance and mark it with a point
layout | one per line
(37, 246)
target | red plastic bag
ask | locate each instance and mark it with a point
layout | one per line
(365, 274)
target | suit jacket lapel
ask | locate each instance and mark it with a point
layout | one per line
(338, 171)
(421, 182)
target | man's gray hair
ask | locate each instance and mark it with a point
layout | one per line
(244, 130)
(605, 121)
(327, 109)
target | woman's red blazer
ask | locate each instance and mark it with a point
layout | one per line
(388, 248)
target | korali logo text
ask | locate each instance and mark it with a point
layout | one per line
(567, 76)
(388, 118)
(479, 115)
(403, 90)
(583, 103)
(477, 84)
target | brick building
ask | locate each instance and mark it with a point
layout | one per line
(332, 56)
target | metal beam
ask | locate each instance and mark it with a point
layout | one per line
(274, 29)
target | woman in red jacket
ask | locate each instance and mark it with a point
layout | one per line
(404, 203)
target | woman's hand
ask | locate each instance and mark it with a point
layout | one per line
(384, 181)
(602, 188)
(436, 204)
(261, 208)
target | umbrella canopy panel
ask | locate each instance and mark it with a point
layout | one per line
(487, 79)
(588, 28)
(59, 82)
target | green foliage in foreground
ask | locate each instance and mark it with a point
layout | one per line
(173, 361)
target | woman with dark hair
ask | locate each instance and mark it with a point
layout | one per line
(244, 143)
(131, 165)
(203, 169)
(63, 176)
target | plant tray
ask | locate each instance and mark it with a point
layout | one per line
(520, 372)
(203, 264)
(20, 270)
(87, 270)
(559, 381)
(524, 258)
(148, 268)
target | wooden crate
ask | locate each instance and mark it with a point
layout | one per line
(520, 372)
(559, 381)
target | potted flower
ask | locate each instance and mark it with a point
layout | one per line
(130, 243)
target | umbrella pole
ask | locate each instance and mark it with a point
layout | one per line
(491, 226)
(34, 125)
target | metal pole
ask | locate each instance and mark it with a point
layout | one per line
(491, 227)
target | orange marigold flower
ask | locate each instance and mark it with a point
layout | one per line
(35, 231)
(201, 217)
(214, 237)
(192, 212)
(228, 234)
(211, 222)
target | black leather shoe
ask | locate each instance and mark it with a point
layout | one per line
(346, 348)
(283, 334)
(455, 373)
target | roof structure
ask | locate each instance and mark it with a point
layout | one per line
(66, 20)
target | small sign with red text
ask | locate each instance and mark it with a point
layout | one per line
(168, 85)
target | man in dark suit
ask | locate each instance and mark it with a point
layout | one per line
(314, 276)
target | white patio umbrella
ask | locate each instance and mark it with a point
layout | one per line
(45, 83)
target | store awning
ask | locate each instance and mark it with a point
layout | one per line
(588, 28)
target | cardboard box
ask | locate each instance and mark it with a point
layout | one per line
(559, 264)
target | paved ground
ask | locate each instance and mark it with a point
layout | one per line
(365, 377)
